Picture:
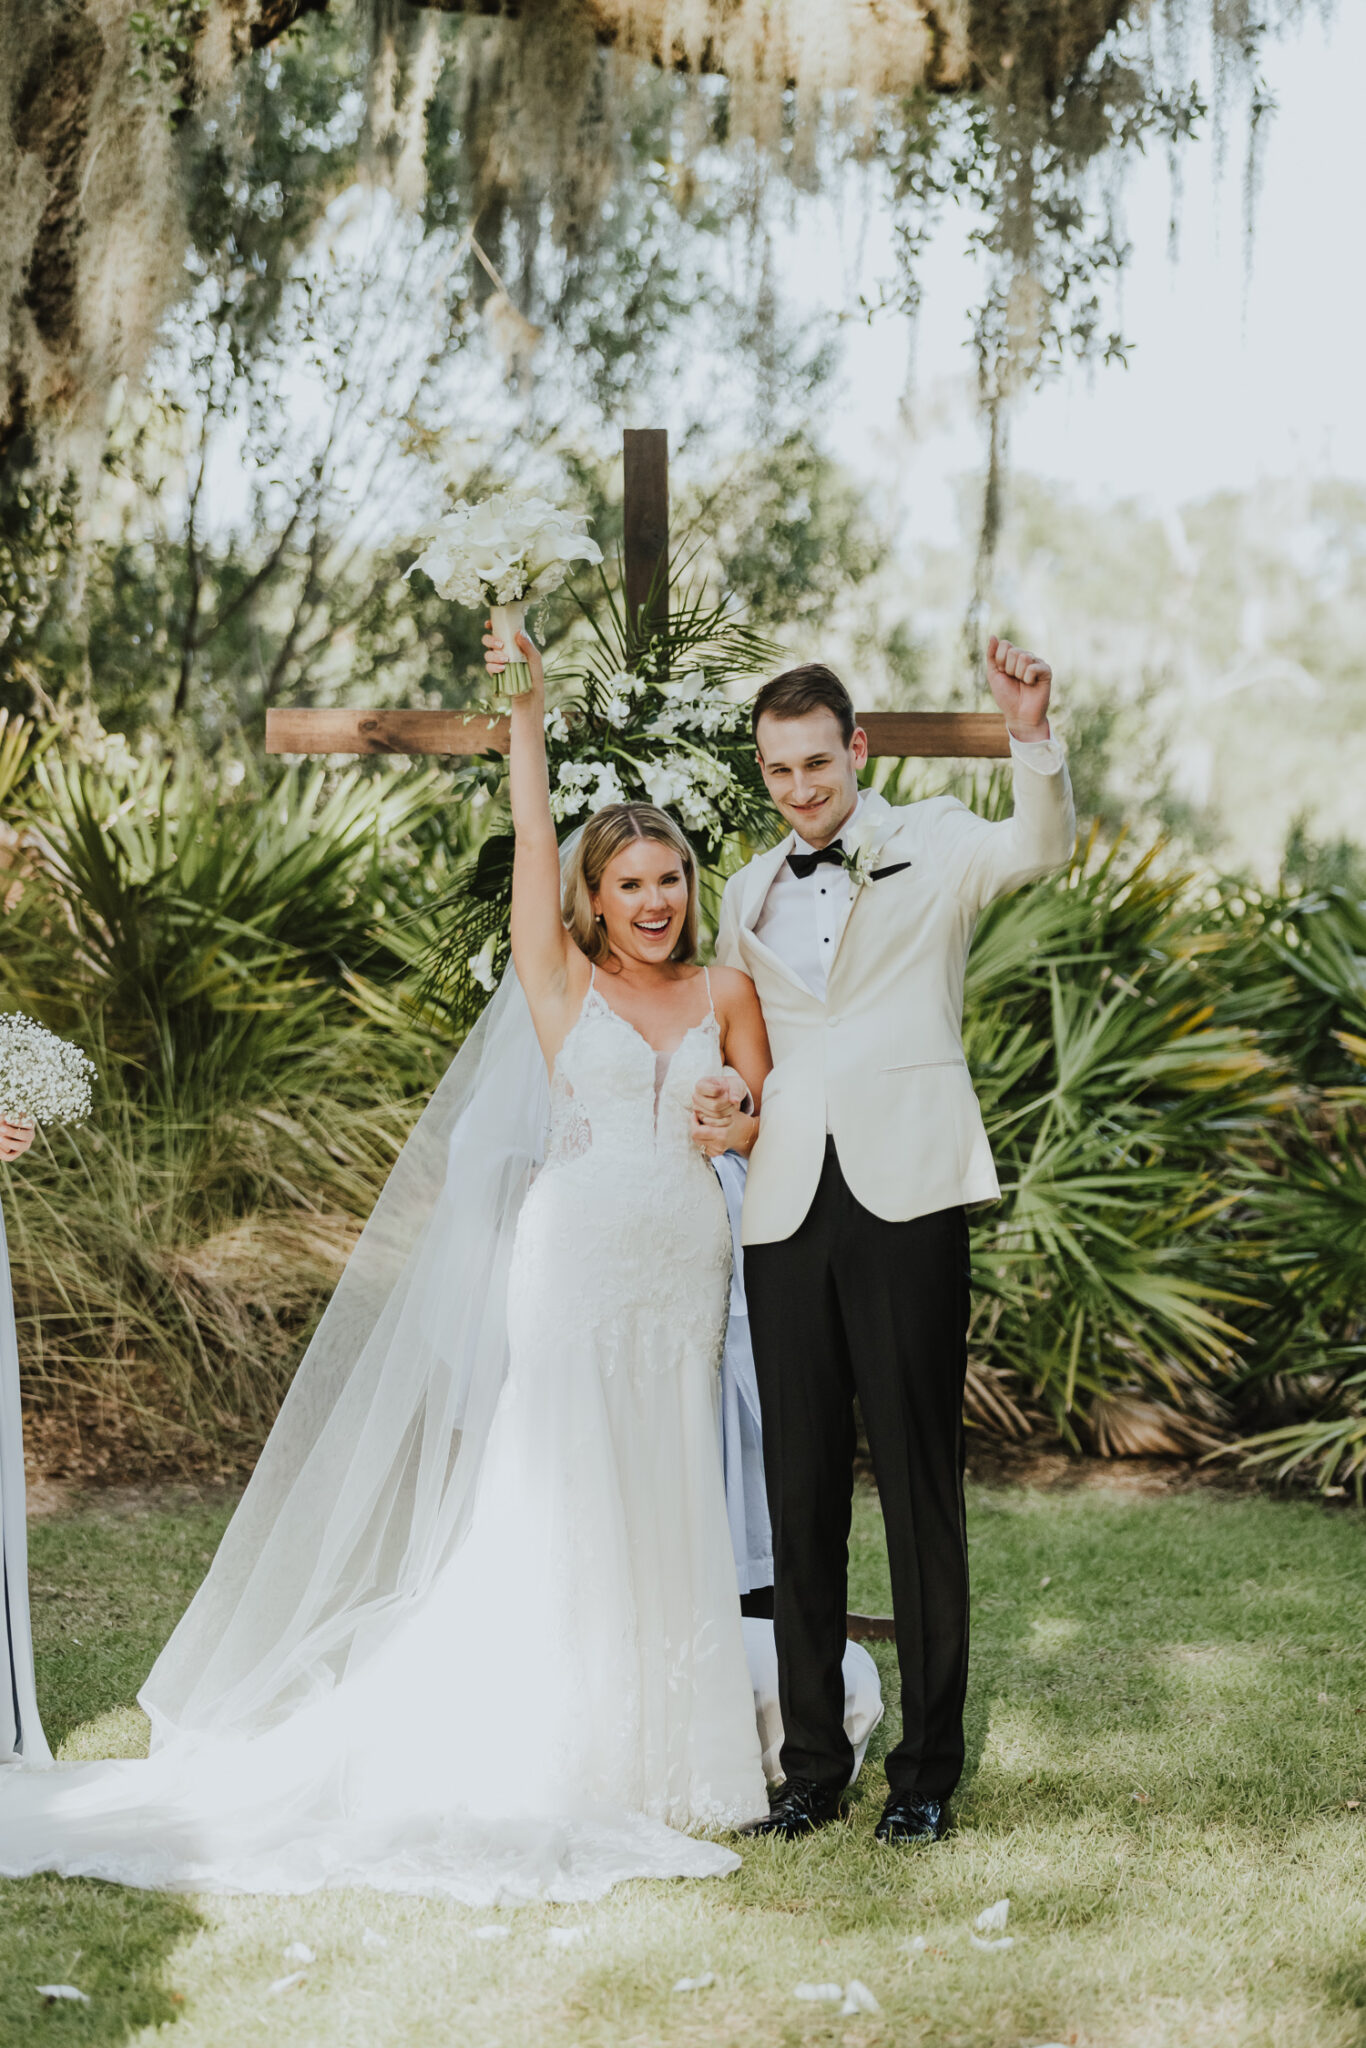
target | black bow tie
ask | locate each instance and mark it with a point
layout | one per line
(804, 864)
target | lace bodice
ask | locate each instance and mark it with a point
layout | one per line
(613, 1095)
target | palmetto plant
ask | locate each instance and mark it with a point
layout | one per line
(206, 926)
(16, 735)
(1170, 1068)
(225, 956)
(1115, 1095)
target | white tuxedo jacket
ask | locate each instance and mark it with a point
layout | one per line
(879, 1062)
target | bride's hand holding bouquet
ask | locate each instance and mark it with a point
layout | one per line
(16, 1135)
(43, 1080)
(499, 657)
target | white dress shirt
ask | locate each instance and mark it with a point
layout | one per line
(803, 915)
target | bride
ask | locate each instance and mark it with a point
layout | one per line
(474, 1628)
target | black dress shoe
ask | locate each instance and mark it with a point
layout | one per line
(798, 1808)
(907, 1817)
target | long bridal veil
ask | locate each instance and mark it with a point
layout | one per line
(21, 1731)
(365, 1483)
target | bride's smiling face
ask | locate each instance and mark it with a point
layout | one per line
(642, 901)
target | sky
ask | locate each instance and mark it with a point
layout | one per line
(1226, 384)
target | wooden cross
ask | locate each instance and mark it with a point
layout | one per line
(923, 735)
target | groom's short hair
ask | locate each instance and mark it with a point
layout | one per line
(799, 690)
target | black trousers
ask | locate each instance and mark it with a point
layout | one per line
(850, 1304)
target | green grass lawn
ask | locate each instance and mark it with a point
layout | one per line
(1166, 1741)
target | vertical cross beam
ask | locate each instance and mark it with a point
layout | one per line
(645, 505)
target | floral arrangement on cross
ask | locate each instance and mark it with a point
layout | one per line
(655, 714)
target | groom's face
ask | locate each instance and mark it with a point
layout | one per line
(812, 776)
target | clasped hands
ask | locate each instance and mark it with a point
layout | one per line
(16, 1135)
(720, 1122)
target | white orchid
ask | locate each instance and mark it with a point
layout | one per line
(570, 795)
(695, 705)
(557, 727)
(666, 782)
(607, 788)
(481, 965)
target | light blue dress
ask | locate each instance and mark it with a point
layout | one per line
(742, 1438)
(21, 1731)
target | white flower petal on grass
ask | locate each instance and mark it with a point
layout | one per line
(63, 1991)
(828, 1994)
(369, 1939)
(992, 1919)
(918, 1944)
(290, 1983)
(858, 1998)
(695, 1983)
(299, 1952)
(489, 1933)
(1002, 1941)
(564, 1937)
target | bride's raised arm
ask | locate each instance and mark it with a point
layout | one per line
(542, 951)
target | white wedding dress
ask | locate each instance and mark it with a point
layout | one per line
(571, 1692)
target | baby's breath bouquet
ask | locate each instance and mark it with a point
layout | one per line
(43, 1079)
(503, 553)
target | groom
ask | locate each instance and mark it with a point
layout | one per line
(856, 932)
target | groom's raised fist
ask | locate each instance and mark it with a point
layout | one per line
(1021, 683)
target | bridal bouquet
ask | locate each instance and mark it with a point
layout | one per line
(503, 553)
(43, 1079)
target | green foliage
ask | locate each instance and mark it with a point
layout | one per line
(1164, 1070)
(1117, 1093)
(163, 38)
(231, 959)
(1170, 1071)
(16, 735)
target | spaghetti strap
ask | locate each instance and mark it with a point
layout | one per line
(711, 1005)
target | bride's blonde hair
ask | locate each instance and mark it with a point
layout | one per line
(605, 834)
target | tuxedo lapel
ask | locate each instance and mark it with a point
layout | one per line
(758, 881)
(876, 807)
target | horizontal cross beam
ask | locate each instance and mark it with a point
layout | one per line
(918, 735)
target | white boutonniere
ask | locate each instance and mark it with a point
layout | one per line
(861, 845)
